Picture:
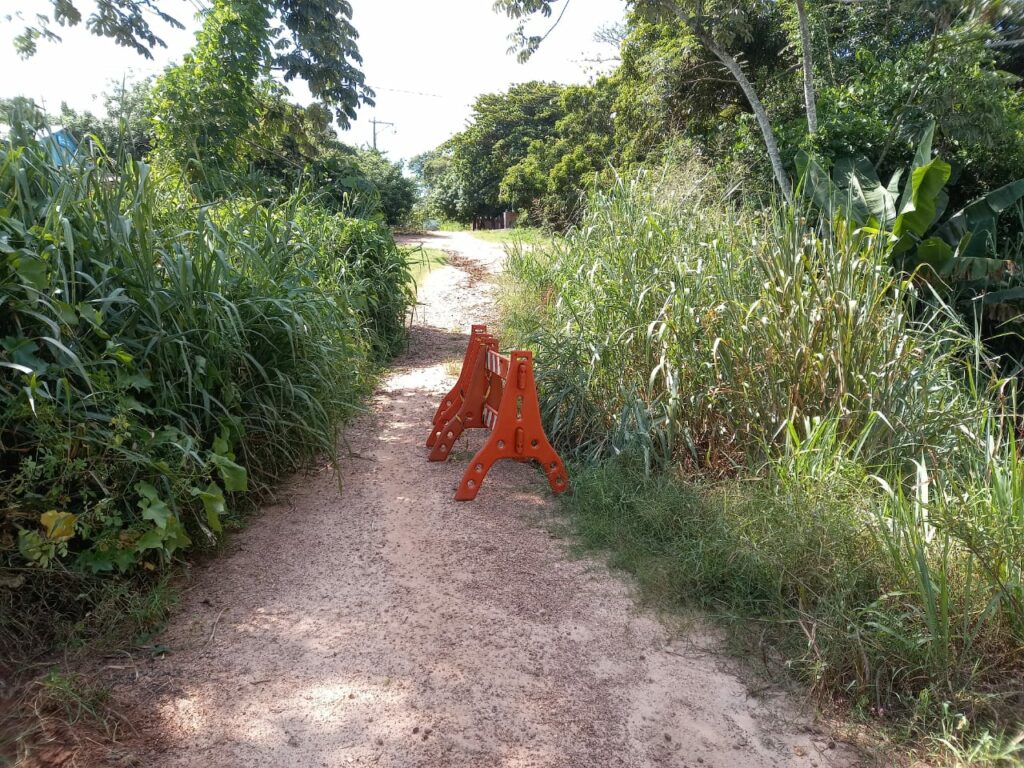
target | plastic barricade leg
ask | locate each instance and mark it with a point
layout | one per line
(451, 402)
(516, 431)
(469, 414)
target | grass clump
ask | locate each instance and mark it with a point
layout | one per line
(162, 362)
(530, 236)
(771, 424)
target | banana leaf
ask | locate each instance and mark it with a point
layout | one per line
(923, 199)
(977, 220)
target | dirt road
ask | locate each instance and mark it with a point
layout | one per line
(387, 625)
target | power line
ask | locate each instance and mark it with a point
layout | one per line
(411, 93)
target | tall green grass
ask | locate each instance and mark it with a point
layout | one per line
(160, 362)
(770, 423)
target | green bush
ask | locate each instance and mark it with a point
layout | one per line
(159, 358)
(690, 330)
(772, 424)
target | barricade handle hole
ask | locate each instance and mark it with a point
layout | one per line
(559, 481)
(554, 465)
(479, 467)
(501, 444)
(471, 483)
(451, 434)
(534, 443)
(444, 448)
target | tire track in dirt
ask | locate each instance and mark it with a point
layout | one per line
(387, 625)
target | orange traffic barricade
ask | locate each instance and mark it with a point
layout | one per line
(496, 392)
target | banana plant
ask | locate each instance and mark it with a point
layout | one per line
(960, 250)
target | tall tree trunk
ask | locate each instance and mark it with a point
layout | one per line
(810, 100)
(750, 92)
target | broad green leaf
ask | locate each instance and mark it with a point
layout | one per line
(861, 192)
(977, 221)
(153, 508)
(970, 268)
(118, 352)
(151, 539)
(35, 548)
(934, 252)
(30, 269)
(220, 445)
(139, 381)
(106, 557)
(922, 157)
(97, 560)
(894, 183)
(213, 502)
(131, 404)
(816, 185)
(176, 537)
(67, 313)
(1009, 294)
(234, 476)
(23, 353)
(924, 147)
(918, 214)
(998, 200)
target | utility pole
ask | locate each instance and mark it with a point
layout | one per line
(375, 122)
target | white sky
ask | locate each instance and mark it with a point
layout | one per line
(426, 60)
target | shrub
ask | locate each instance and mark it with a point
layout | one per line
(690, 330)
(773, 424)
(160, 358)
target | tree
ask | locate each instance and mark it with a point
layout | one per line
(806, 55)
(20, 111)
(205, 107)
(396, 192)
(438, 186)
(551, 181)
(312, 40)
(295, 145)
(671, 87)
(717, 24)
(501, 131)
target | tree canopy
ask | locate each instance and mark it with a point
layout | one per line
(311, 40)
(748, 84)
(467, 173)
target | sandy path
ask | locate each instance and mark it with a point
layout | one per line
(391, 626)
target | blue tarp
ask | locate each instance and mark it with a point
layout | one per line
(59, 143)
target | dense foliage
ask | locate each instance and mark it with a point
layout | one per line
(880, 73)
(779, 363)
(311, 40)
(191, 306)
(161, 358)
(774, 425)
(125, 128)
(468, 176)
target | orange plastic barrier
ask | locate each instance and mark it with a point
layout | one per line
(496, 392)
